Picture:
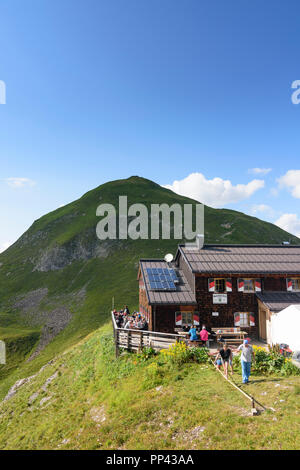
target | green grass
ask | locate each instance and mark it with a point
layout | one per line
(191, 407)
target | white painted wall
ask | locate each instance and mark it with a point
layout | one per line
(285, 327)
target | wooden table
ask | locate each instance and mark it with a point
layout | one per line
(231, 337)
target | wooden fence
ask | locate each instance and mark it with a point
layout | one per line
(136, 340)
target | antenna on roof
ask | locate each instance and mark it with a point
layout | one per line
(169, 258)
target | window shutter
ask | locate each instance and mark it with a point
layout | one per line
(196, 318)
(237, 319)
(241, 285)
(257, 285)
(289, 284)
(251, 319)
(211, 285)
(178, 318)
(228, 285)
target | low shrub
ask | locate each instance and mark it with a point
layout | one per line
(200, 355)
(177, 354)
(146, 353)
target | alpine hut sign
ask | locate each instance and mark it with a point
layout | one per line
(220, 298)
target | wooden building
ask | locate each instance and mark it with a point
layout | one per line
(219, 286)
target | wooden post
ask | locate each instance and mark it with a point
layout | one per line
(117, 343)
(141, 341)
(128, 339)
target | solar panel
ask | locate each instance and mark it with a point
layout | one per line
(162, 278)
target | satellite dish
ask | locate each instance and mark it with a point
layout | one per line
(169, 258)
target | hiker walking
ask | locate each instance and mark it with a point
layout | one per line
(226, 356)
(246, 356)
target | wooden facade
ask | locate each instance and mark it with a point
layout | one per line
(236, 302)
(164, 316)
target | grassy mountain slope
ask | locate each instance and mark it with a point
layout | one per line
(88, 399)
(57, 281)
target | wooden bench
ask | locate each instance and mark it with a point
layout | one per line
(231, 341)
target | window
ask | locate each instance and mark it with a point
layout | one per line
(296, 284)
(220, 285)
(244, 319)
(293, 284)
(187, 318)
(249, 285)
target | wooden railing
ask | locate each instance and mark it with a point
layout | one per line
(136, 340)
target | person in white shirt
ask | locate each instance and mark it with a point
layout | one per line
(246, 357)
(129, 324)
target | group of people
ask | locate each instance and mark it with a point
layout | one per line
(224, 357)
(134, 321)
(201, 335)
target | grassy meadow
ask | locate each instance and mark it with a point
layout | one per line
(95, 401)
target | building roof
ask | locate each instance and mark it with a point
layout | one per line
(183, 294)
(277, 301)
(237, 259)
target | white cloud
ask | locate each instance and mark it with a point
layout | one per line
(215, 192)
(291, 181)
(4, 246)
(19, 182)
(260, 171)
(290, 223)
(262, 209)
(274, 192)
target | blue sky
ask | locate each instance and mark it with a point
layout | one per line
(185, 91)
